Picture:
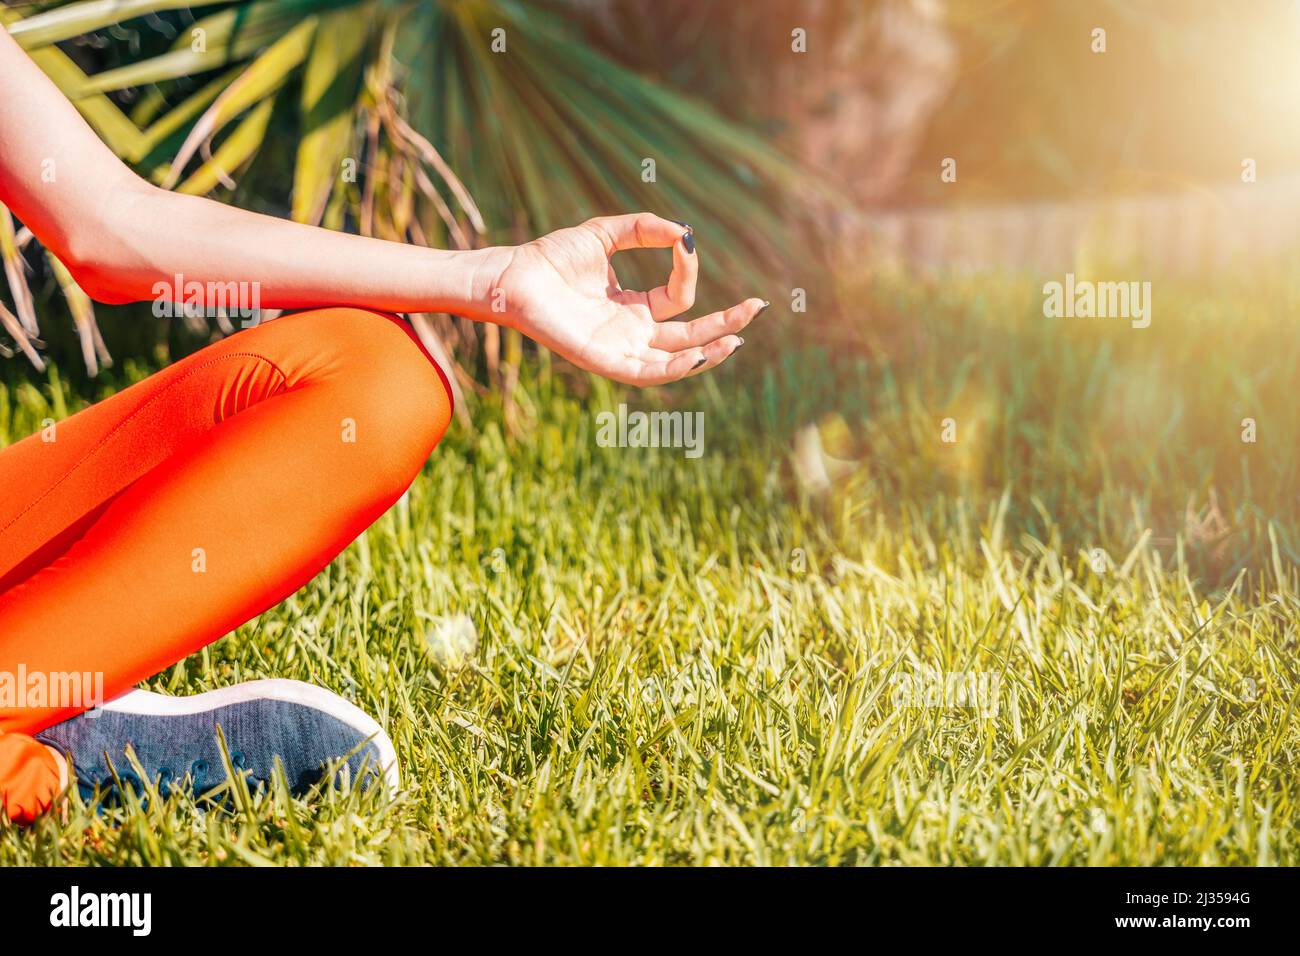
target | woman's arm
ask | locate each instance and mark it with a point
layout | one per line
(121, 236)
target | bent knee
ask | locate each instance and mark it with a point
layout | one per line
(390, 397)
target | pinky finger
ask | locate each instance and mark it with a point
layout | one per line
(715, 353)
(689, 362)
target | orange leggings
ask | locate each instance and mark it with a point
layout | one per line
(143, 528)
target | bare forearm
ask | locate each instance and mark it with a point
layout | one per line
(124, 239)
(154, 237)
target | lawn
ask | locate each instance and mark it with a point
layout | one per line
(1066, 637)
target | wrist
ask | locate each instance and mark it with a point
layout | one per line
(468, 282)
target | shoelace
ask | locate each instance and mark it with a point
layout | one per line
(198, 777)
(108, 787)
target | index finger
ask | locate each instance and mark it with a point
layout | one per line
(638, 230)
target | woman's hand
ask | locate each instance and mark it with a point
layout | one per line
(561, 291)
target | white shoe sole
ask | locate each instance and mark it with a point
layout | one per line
(289, 691)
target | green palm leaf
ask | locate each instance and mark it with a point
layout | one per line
(78, 19)
(235, 150)
(236, 33)
(263, 77)
(330, 83)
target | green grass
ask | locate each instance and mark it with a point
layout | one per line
(694, 661)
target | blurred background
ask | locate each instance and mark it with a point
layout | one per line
(900, 177)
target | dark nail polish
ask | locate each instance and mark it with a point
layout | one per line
(698, 364)
(763, 308)
(742, 342)
(688, 240)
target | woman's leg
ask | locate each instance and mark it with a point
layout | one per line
(147, 526)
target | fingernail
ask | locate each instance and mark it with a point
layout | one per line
(698, 364)
(742, 341)
(763, 308)
(688, 240)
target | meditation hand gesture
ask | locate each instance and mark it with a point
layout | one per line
(561, 290)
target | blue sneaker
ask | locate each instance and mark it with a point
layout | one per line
(305, 728)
